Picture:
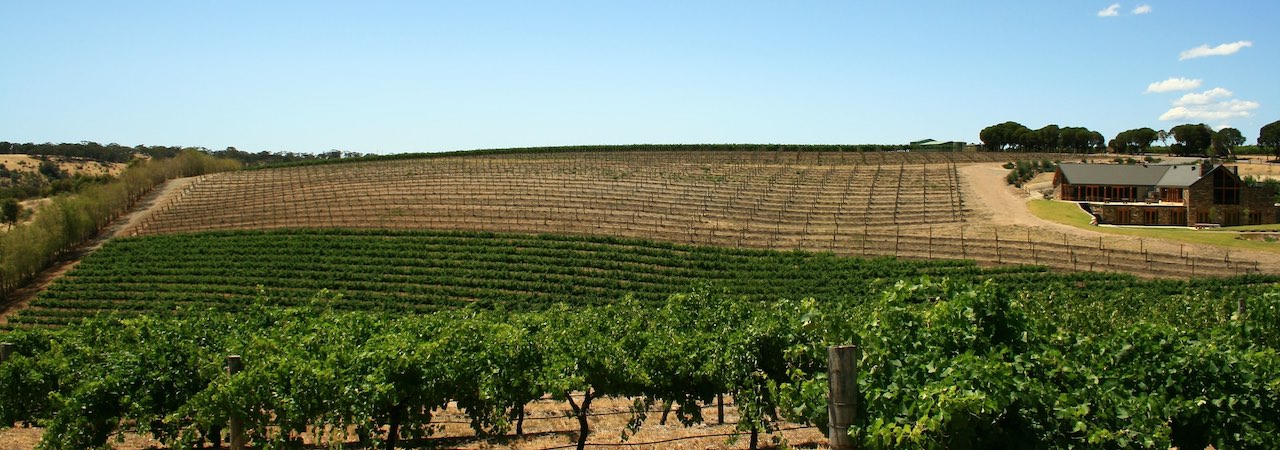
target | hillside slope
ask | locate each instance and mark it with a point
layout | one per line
(912, 205)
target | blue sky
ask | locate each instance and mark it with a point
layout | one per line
(390, 77)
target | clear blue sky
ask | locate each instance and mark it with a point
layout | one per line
(389, 77)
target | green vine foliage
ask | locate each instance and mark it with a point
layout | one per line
(945, 364)
(949, 366)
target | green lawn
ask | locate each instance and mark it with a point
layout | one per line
(1070, 214)
(1268, 227)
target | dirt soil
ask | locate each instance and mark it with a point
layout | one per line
(547, 425)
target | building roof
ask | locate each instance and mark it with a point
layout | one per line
(1180, 176)
(928, 142)
(1162, 175)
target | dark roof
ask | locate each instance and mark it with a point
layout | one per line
(1180, 176)
(1113, 174)
(1131, 174)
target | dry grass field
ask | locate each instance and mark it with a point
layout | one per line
(1260, 169)
(911, 205)
(72, 166)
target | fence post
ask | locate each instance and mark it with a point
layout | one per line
(842, 400)
(6, 349)
(720, 409)
(237, 423)
(998, 260)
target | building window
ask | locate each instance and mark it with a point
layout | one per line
(1123, 215)
(1231, 218)
(1202, 217)
(1151, 217)
(1172, 194)
(1255, 218)
(1178, 217)
(1226, 191)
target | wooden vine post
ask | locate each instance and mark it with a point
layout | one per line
(720, 409)
(234, 365)
(6, 349)
(842, 397)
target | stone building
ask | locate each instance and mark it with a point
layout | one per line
(1173, 195)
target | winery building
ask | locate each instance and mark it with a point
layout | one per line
(1172, 195)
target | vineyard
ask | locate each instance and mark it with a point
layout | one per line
(944, 364)
(454, 301)
(908, 205)
(425, 271)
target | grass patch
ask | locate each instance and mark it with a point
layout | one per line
(1267, 227)
(1061, 212)
(1070, 214)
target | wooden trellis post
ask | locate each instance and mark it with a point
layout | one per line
(842, 400)
(720, 409)
(234, 365)
(6, 349)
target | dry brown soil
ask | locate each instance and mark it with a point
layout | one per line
(547, 426)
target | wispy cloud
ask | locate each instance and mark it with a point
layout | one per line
(1203, 98)
(1110, 11)
(1221, 50)
(1173, 84)
(1214, 105)
(1142, 9)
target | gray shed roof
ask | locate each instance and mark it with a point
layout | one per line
(1131, 174)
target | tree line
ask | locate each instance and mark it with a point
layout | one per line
(123, 154)
(1188, 139)
(1015, 137)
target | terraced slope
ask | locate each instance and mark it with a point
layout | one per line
(897, 204)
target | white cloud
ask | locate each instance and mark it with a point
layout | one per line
(1110, 11)
(1214, 105)
(1142, 9)
(1203, 98)
(1173, 84)
(1212, 112)
(1221, 50)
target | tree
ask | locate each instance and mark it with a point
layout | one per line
(1005, 137)
(1163, 136)
(51, 170)
(1191, 139)
(1226, 140)
(1269, 137)
(1137, 140)
(1096, 140)
(1046, 138)
(9, 211)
